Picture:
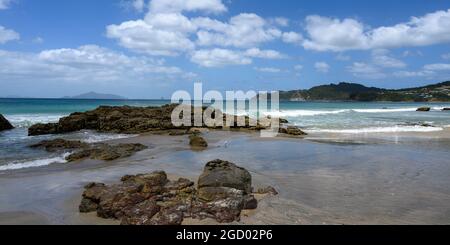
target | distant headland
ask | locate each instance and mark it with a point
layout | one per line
(96, 96)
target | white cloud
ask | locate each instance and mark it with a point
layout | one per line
(243, 31)
(219, 57)
(413, 73)
(178, 6)
(446, 56)
(139, 5)
(4, 4)
(88, 63)
(142, 37)
(7, 35)
(268, 69)
(381, 58)
(437, 67)
(263, 54)
(280, 21)
(343, 57)
(322, 67)
(363, 70)
(292, 37)
(327, 34)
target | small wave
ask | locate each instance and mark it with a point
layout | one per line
(394, 129)
(91, 137)
(34, 163)
(297, 113)
(384, 110)
(26, 120)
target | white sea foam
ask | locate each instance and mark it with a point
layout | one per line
(298, 113)
(92, 137)
(393, 129)
(34, 163)
(26, 120)
(384, 110)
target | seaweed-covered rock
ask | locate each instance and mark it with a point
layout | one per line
(152, 199)
(106, 152)
(5, 124)
(197, 141)
(60, 144)
(424, 109)
(122, 119)
(292, 130)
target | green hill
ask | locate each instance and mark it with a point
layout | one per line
(357, 92)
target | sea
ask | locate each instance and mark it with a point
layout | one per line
(346, 118)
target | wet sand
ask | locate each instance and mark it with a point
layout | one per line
(371, 179)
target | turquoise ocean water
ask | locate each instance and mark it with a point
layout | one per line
(313, 117)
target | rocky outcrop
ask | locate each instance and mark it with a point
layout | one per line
(424, 109)
(5, 124)
(197, 141)
(106, 152)
(446, 109)
(152, 199)
(292, 130)
(98, 151)
(60, 144)
(120, 119)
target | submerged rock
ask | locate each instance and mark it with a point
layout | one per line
(424, 109)
(5, 124)
(446, 109)
(197, 141)
(106, 152)
(267, 190)
(292, 130)
(152, 199)
(98, 151)
(60, 144)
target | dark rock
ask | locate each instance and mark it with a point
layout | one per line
(424, 109)
(250, 202)
(267, 190)
(446, 109)
(5, 124)
(120, 119)
(220, 173)
(59, 144)
(151, 199)
(197, 141)
(106, 152)
(292, 130)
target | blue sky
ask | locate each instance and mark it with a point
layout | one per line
(149, 49)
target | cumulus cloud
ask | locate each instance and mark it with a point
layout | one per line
(437, 67)
(84, 64)
(322, 67)
(7, 35)
(178, 6)
(280, 21)
(263, 54)
(292, 37)
(243, 31)
(219, 57)
(328, 34)
(364, 70)
(4, 4)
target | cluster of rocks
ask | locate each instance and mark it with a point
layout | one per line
(223, 191)
(134, 120)
(5, 124)
(98, 151)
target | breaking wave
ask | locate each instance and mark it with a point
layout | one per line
(34, 163)
(393, 129)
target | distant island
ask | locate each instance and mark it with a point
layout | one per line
(96, 96)
(344, 91)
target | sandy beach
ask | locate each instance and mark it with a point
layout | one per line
(390, 179)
